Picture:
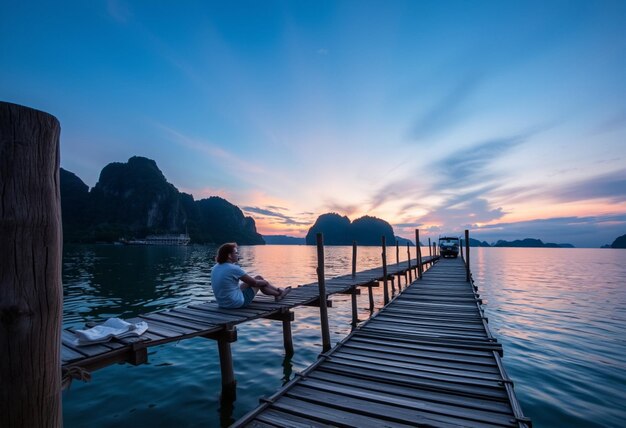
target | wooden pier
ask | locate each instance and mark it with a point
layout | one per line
(426, 359)
(209, 321)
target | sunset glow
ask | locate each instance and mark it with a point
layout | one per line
(507, 118)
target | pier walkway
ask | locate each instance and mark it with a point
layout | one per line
(425, 359)
(209, 321)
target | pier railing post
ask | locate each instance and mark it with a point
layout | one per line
(31, 294)
(408, 254)
(467, 256)
(384, 256)
(398, 264)
(322, 291)
(353, 259)
(397, 252)
(430, 248)
(420, 267)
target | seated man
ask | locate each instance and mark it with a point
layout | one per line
(225, 277)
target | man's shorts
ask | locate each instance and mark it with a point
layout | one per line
(248, 296)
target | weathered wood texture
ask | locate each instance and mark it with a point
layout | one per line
(30, 268)
(426, 359)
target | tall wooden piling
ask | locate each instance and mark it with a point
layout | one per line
(397, 252)
(355, 317)
(420, 269)
(408, 260)
(322, 292)
(287, 337)
(467, 256)
(224, 339)
(384, 256)
(353, 259)
(31, 294)
(430, 248)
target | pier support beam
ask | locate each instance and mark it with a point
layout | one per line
(420, 267)
(355, 310)
(384, 256)
(224, 339)
(31, 294)
(467, 257)
(321, 282)
(287, 318)
(408, 254)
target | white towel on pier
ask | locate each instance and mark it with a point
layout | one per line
(113, 327)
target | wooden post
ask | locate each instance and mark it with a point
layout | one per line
(408, 254)
(287, 337)
(355, 312)
(398, 264)
(397, 253)
(31, 293)
(384, 255)
(225, 338)
(430, 248)
(355, 318)
(420, 269)
(322, 290)
(353, 259)
(371, 297)
(467, 256)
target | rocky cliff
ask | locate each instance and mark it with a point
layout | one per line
(339, 230)
(134, 199)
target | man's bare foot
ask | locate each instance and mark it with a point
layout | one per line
(283, 293)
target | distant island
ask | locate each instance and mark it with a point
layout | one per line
(134, 199)
(619, 242)
(530, 243)
(283, 240)
(518, 243)
(339, 230)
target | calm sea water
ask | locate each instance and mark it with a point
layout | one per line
(558, 312)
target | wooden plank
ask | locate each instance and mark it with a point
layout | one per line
(335, 417)
(365, 408)
(69, 355)
(442, 373)
(392, 357)
(283, 419)
(402, 352)
(412, 391)
(425, 382)
(405, 407)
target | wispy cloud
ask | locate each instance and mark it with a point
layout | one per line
(613, 123)
(285, 219)
(468, 166)
(463, 213)
(214, 151)
(342, 208)
(446, 112)
(611, 186)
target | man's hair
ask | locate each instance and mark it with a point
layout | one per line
(224, 251)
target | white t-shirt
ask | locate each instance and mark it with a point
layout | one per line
(225, 284)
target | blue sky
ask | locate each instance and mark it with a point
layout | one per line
(508, 118)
